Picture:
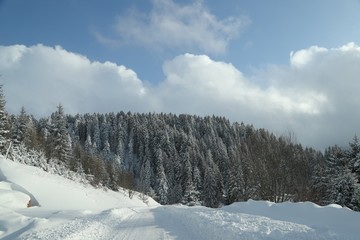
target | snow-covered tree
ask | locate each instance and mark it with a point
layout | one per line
(190, 195)
(60, 141)
(161, 179)
(341, 183)
(212, 191)
(4, 127)
(19, 128)
(354, 155)
(145, 177)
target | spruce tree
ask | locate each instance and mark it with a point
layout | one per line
(161, 180)
(342, 185)
(354, 155)
(59, 136)
(4, 127)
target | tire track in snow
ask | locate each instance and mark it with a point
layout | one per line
(142, 225)
(124, 223)
(99, 226)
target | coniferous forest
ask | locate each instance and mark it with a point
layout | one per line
(182, 158)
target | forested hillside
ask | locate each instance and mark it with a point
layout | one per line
(185, 159)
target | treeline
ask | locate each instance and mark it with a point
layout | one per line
(189, 159)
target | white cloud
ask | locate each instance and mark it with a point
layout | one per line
(304, 56)
(171, 25)
(219, 82)
(316, 95)
(335, 74)
(40, 77)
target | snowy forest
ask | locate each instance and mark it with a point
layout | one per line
(182, 158)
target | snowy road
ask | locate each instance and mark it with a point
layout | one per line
(172, 222)
(141, 224)
(125, 223)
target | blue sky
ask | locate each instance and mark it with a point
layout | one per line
(274, 29)
(276, 64)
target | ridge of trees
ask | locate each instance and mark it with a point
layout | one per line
(186, 158)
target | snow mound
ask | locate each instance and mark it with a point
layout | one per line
(11, 198)
(331, 220)
(221, 224)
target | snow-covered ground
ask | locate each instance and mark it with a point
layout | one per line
(63, 209)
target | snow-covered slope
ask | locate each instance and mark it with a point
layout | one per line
(69, 210)
(55, 192)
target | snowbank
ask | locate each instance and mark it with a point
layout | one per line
(58, 193)
(332, 219)
(11, 198)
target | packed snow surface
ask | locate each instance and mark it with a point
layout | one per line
(63, 209)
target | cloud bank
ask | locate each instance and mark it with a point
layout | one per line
(170, 25)
(316, 96)
(40, 77)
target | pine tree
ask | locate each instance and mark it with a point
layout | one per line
(342, 187)
(60, 141)
(354, 161)
(161, 180)
(354, 155)
(31, 137)
(19, 127)
(76, 164)
(106, 153)
(212, 192)
(234, 188)
(190, 194)
(145, 177)
(4, 127)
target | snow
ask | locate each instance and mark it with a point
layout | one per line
(63, 209)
